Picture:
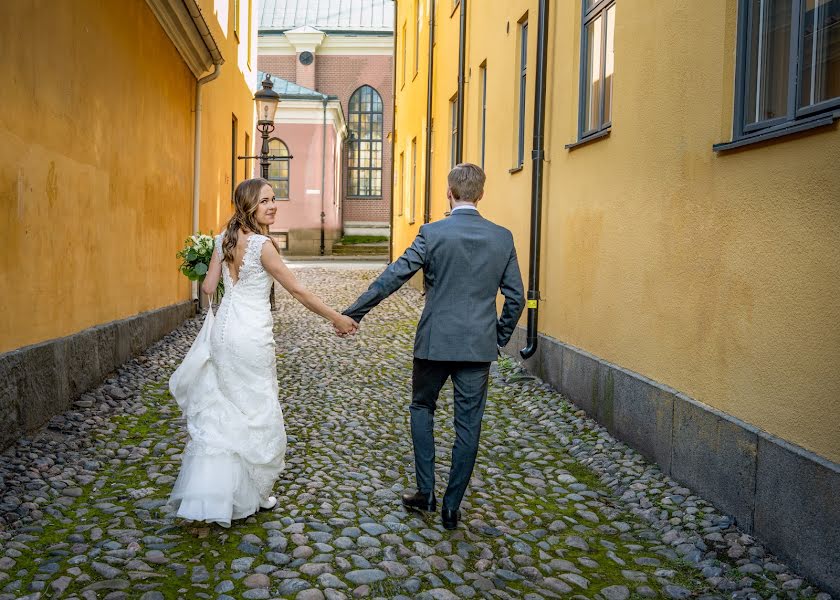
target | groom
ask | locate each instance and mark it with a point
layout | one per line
(466, 260)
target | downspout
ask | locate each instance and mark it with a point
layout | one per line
(218, 60)
(393, 132)
(537, 156)
(217, 69)
(323, 171)
(462, 51)
(427, 192)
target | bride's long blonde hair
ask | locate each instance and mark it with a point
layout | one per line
(246, 198)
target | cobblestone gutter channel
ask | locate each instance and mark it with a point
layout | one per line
(557, 508)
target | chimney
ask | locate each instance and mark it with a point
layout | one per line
(305, 41)
(305, 69)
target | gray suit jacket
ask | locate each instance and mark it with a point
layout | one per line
(466, 261)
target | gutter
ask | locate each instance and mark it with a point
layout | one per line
(537, 156)
(427, 192)
(204, 30)
(217, 70)
(462, 51)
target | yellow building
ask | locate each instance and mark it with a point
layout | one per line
(690, 245)
(98, 169)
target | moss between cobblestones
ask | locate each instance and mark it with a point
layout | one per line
(131, 429)
(379, 384)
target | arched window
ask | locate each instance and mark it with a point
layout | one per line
(365, 151)
(278, 170)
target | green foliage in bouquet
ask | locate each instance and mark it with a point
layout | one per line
(195, 259)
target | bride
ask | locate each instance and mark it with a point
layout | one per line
(227, 383)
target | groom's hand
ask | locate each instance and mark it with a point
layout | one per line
(345, 326)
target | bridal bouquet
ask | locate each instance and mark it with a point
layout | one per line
(195, 258)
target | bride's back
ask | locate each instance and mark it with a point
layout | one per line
(235, 266)
(245, 274)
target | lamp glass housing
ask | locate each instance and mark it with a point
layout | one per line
(266, 109)
(267, 100)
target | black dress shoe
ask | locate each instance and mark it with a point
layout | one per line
(449, 518)
(420, 501)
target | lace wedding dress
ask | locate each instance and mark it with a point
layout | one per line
(227, 389)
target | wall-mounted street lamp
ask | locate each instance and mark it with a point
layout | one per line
(267, 101)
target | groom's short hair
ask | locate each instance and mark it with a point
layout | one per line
(466, 181)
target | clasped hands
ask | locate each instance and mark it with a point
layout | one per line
(345, 326)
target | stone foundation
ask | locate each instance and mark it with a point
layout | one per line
(307, 242)
(39, 381)
(783, 494)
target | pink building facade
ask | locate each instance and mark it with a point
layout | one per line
(314, 51)
(310, 128)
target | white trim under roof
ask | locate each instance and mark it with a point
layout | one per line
(305, 38)
(334, 44)
(309, 112)
(198, 49)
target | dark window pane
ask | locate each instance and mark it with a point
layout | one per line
(609, 64)
(523, 50)
(769, 60)
(593, 85)
(523, 60)
(819, 72)
(364, 183)
(278, 170)
(354, 181)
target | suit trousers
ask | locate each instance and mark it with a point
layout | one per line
(470, 380)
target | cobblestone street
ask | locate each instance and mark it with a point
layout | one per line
(556, 507)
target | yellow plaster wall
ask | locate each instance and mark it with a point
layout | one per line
(96, 154)
(409, 122)
(715, 274)
(230, 94)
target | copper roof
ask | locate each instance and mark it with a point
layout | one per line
(368, 16)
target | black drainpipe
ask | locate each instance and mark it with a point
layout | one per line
(537, 156)
(323, 171)
(427, 191)
(462, 51)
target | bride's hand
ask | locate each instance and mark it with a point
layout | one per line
(344, 325)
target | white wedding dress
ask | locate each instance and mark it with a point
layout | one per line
(227, 389)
